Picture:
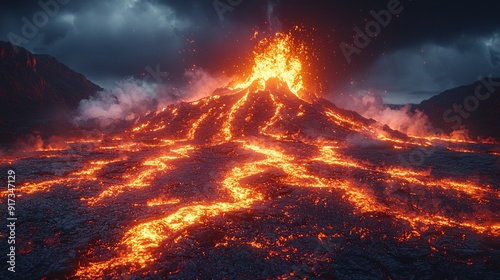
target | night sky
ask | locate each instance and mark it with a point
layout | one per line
(425, 47)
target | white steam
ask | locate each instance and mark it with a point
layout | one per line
(201, 84)
(125, 102)
(272, 19)
(132, 99)
(372, 106)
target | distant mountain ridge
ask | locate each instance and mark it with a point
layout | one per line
(475, 107)
(36, 87)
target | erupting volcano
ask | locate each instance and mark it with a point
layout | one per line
(262, 179)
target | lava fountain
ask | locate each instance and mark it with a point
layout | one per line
(278, 58)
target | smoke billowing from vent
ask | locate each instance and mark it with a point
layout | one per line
(127, 101)
(131, 99)
(273, 21)
(372, 106)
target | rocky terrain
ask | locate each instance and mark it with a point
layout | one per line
(37, 93)
(257, 184)
(474, 107)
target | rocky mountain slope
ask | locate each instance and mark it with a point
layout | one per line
(475, 107)
(36, 90)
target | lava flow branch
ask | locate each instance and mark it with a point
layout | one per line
(261, 140)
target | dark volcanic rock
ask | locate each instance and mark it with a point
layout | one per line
(448, 110)
(35, 90)
(255, 185)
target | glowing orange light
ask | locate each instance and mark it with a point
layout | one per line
(146, 168)
(277, 58)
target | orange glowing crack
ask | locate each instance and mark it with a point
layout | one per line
(329, 156)
(196, 124)
(421, 222)
(423, 179)
(141, 127)
(149, 167)
(227, 127)
(273, 120)
(341, 120)
(159, 201)
(367, 203)
(86, 174)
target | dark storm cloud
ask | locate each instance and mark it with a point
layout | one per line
(453, 35)
(107, 40)
(415, 73)
(436, 46)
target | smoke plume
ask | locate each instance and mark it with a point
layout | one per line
(372, 106)
(131, 98)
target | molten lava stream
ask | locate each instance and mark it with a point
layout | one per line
(142, 239)
(88, 173)
(368, 203)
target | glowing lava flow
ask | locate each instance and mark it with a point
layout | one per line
(253, 141)
(142, 239)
